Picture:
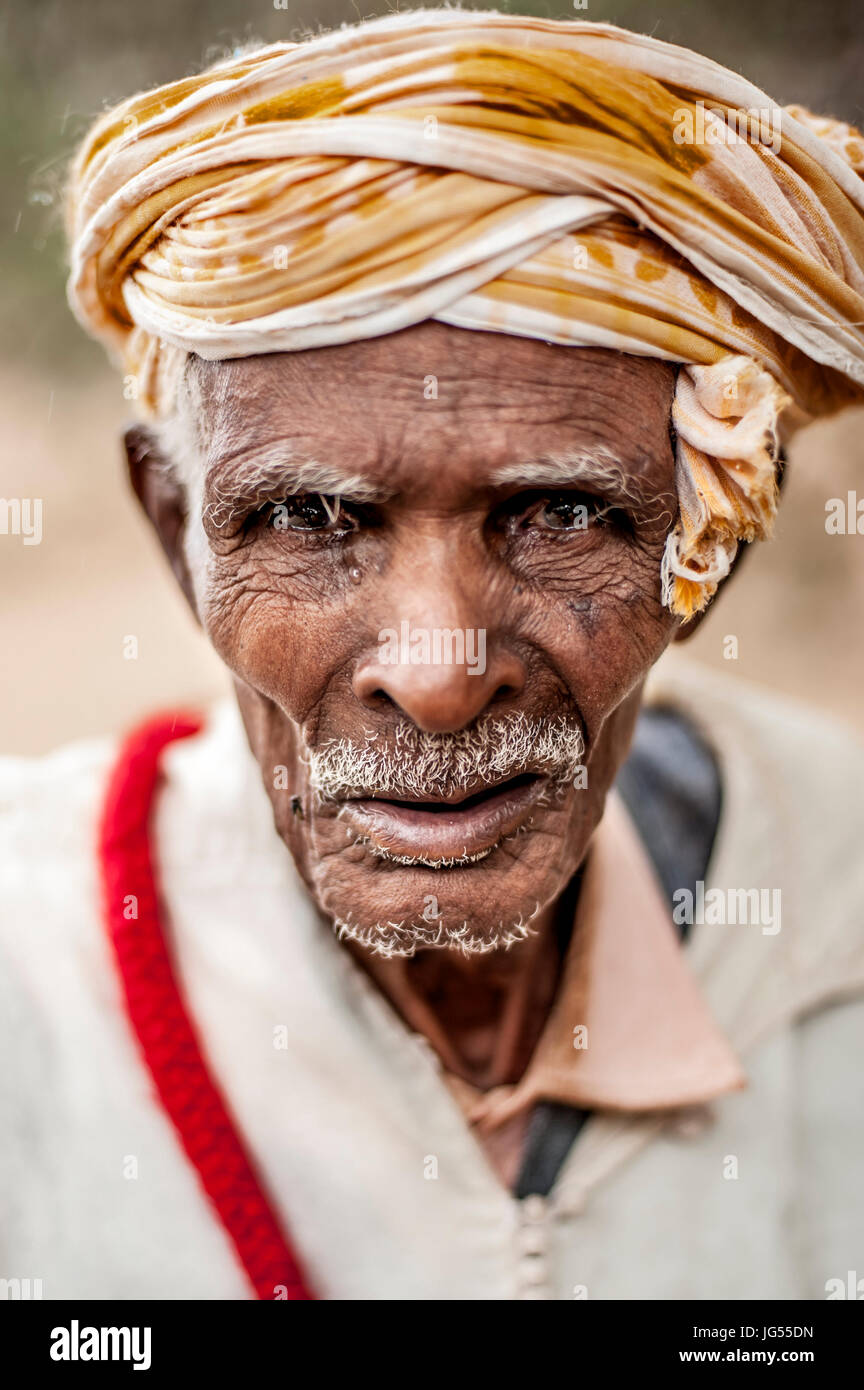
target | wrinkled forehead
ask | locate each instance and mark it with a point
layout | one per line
(416, 411)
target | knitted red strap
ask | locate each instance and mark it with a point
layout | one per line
(164, 1030)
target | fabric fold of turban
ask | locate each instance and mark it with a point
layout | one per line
(567, 181)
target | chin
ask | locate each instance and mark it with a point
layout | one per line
(473, 906)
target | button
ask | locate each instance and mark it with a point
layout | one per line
(533, 1271)
(531, 1240)
(533, 1209)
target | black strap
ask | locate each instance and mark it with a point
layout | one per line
(671, 786)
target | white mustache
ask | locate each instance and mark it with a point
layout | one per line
(420, 765)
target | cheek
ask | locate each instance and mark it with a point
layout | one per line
(615, 644)
(277, 623)
(603, 625)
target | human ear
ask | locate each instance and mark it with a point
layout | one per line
(162, 498)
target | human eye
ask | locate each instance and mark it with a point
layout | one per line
(572, 511)
(309, 511)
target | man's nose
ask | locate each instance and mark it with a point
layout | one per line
(439, 695)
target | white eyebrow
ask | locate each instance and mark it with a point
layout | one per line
(601, 467)
(251, 479)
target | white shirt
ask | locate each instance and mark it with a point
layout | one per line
(369, 1162)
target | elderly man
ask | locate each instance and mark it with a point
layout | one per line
(465, 347)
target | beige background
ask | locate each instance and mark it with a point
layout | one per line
(68, 604)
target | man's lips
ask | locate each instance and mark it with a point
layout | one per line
(446, 830)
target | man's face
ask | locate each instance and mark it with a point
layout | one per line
(432, 562)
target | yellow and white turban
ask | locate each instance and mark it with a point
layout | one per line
(559, 180)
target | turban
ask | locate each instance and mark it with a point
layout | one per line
(566, 181)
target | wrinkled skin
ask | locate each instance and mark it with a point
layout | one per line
(574, 619)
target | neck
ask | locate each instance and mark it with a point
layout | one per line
(483, 1015)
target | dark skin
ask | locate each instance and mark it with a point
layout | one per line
(573, 617)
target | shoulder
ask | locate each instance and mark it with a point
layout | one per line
(793, 749)
(50, 805)
(54, 969)
(792, 823)
(49, 874)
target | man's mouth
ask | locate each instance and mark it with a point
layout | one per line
(447, 830)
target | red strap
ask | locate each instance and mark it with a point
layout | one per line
(165, 1032)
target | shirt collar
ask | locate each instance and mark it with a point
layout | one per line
(630, 1029)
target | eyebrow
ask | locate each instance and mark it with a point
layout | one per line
(601, 468)
(252, 478)
(249, 479)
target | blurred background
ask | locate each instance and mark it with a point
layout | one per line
(69, 604)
